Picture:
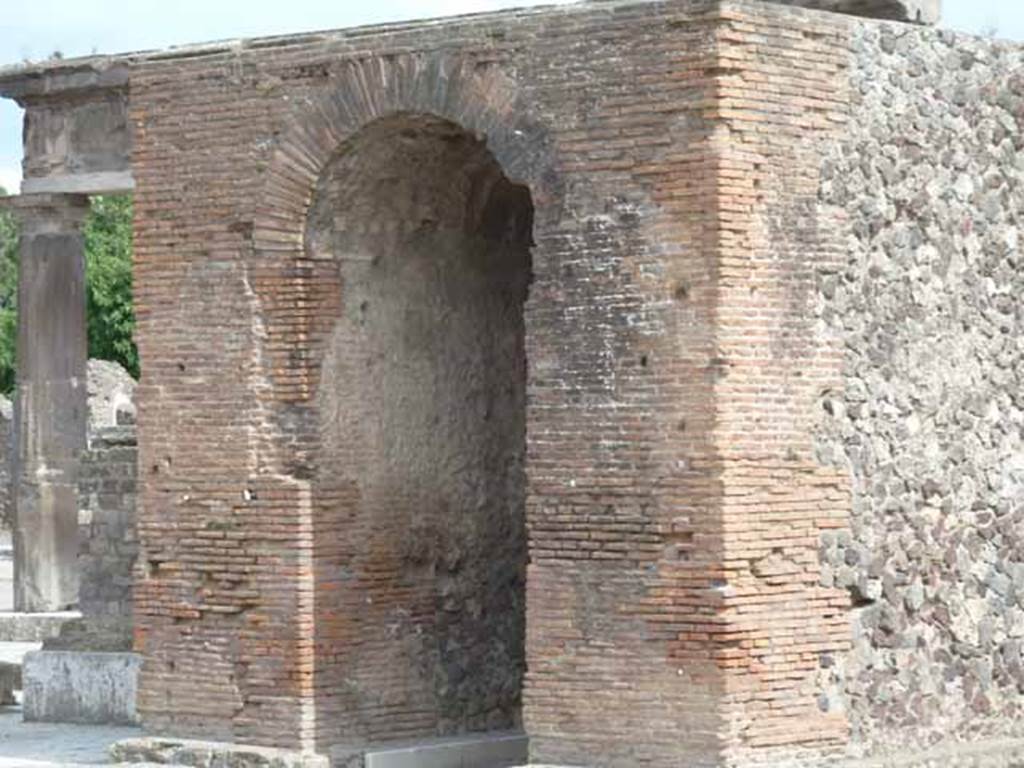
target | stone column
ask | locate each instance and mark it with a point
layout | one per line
(51, 401)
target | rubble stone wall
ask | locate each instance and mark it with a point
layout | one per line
(108, 551)
(930, 418)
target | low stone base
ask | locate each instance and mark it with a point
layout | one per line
(33, 627)
(481, 750)
(74, 687)
(210, 754)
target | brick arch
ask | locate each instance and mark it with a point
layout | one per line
(479, 98)
(300, 297)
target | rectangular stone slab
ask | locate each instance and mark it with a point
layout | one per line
(478, 750)
(73, 687)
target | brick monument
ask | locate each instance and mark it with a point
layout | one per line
(643, 376)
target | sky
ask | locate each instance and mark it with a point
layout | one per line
(34, 30)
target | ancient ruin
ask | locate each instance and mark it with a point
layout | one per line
(613, 384)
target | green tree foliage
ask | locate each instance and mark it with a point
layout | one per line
(108, 270)
(108, 249)
(8, 297)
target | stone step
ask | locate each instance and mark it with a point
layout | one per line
(208, 754)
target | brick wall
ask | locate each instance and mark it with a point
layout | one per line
(782, 96)
(602, 113)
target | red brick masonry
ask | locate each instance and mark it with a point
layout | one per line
(673, 507)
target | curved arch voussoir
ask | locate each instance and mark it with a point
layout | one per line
(479, 98)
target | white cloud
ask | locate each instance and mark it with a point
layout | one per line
(10, 179)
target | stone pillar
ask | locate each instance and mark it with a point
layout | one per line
(51, 401)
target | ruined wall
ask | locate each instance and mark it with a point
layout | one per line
(107, 492)
(109, 546)
(106, 483)
(929, 421)
(107, 500)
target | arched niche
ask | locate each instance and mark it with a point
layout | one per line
(420, 480)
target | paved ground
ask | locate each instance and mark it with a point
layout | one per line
(42, 745)
(34, 745)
